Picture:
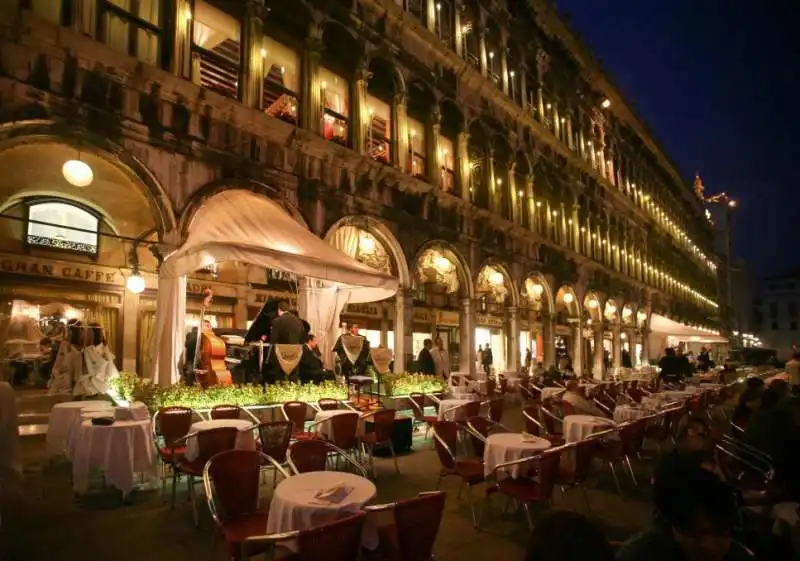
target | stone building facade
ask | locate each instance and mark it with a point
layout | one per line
(472, 148)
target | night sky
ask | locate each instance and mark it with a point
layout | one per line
(714, 80)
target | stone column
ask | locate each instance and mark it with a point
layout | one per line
(466, 358)
(490, 179)
(403, 326)
(616, 345)
(523, 89)
(311, 90)
(483, 53)
(513, 350)
(384, 326)
(504, 69)
(645, 345)
(181, 58)
(540, 103)
(432, 153)
(570, 140)
(253, 64)
(399, 132)
(128, 325)
(240, 311)
(575, 232)
(548, 340)
(359, 121)
(462, 165)
(556, 121)
(459, 35)
(577, 347)
(599, 352)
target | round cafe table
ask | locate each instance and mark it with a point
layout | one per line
(295, 505)
(64, 421)
(510, 446)
(244, 440)
(120, 450)
(579, 427)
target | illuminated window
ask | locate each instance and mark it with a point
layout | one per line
(336, 99)
(281, 81)
(216, 50)
(448, 163)
(132, 27)
(64, 226)
(379, 131)
(416, 147)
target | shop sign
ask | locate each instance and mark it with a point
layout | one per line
(259, 298)
(65, 270)
(365, 310)
(448, 318)
(489, 321)
(421, 315)
(219, 289)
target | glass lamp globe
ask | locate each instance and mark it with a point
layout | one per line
(567, 298)
(135, 283)
(77, 173)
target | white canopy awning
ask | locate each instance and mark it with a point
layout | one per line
(239, 225)
(664, 326)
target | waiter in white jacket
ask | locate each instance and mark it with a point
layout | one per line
(441, 359)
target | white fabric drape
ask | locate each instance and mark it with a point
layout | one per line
(321, 306)
(169, 337)
(239, 225)
(664, 326)
(213, 26)
(10, 450)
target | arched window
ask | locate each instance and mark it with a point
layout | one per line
(62, 225)
(469, 35)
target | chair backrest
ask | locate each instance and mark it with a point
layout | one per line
(417, 521)
(338, 541)
(296, 411)
(275, 437)
(383, 424)
(344, 428)
(481, 425)
(491, 385)
(584, 453)
(548, 471)
(234, 476)
(472, 409)
(547, 419)
(173, 423)
(328, 404)
(417, 401)
(213, 441)
(445, 439)
(496, 407)
(532, 423)
(225, 412)
(308, 455)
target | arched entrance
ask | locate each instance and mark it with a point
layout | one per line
(536, 309)
(567, 329)
(66, 250)
(496, 319)
(631, 341)
(369, 241)
(441, 305)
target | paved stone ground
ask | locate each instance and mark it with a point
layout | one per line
(51, 523)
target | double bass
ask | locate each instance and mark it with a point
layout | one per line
(210, 368)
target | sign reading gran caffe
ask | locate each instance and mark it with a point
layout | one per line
(42, 268)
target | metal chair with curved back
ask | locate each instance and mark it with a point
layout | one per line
(225, 412)
(306, 456)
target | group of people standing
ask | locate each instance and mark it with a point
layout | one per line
(433, 359)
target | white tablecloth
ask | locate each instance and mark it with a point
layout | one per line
(453, 410)
(295, 508)
(507, 447)
(623, 413)
(325, 426)
(65, 418)
(244, 440)
(578, 427)
(119, 450)
(550, 393)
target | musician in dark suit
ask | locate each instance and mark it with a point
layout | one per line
(311, 367)
(285, 329)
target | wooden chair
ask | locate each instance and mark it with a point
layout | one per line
(296, 411)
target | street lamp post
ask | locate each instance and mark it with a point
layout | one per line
(730, 204)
